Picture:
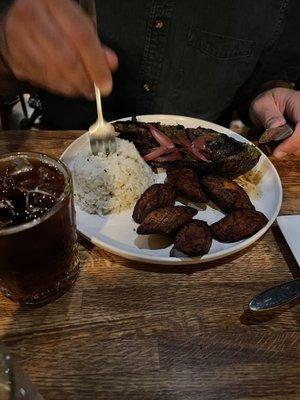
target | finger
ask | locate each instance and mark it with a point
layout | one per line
(290, 145)
(293, 105)
(80, 30)
(112, 58)
(266, 113)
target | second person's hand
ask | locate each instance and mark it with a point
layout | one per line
(271, 109)
(53, 44)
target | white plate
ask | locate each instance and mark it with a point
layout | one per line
(116, 232)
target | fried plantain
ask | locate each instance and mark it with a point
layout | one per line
(238, 225)
(226, 194)
(166, 220)
(194, 238)
(156, 196)
(185, 181)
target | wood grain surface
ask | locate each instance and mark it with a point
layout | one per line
(128, 330)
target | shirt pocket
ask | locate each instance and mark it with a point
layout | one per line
(212, 68)
(219, 46)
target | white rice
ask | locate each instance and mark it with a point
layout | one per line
(106, 184)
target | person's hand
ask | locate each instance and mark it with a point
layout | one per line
(269, 110)
(53, 44)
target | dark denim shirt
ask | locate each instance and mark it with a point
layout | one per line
(188, 57)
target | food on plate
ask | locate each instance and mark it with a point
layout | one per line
(194, 238)
(238, 225)
(166, 220)
(186, 182)
(156, 196)
(204, 150)
(226, 194)
(111, 183)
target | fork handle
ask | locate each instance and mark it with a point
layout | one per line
(99, 105)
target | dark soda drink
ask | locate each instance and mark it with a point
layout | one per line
(38, 253)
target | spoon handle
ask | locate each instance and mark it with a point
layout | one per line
(276, 296)
(99, 105)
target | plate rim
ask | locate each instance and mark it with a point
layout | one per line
(187, 260)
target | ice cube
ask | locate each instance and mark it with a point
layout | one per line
(7, 213)
(17, 198)
(6, 183)
(53, 188)
(5, 222)
(20, 165)
(29, 179)
(49, 174)
(40, 199)
(5, 208)
(34, 213)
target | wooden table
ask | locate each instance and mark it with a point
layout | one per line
(134, 331)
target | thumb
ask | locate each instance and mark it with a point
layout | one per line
(290, 145)
(112, 58)
(265, 112)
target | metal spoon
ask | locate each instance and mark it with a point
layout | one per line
(276, 296)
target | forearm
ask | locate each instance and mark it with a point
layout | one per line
(8, 82)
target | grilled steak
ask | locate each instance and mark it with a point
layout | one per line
(136, 132)
(238, 225)
(166, 220)
(226, 194)
(194, 239)
(156, 196)
(186, 183)
(203, 150)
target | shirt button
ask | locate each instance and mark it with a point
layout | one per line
(146, 87)
(159, 24)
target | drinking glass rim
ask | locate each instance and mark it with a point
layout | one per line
(57, 205)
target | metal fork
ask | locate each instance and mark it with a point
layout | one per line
(102, 133)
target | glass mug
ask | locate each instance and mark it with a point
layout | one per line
(39, 259)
